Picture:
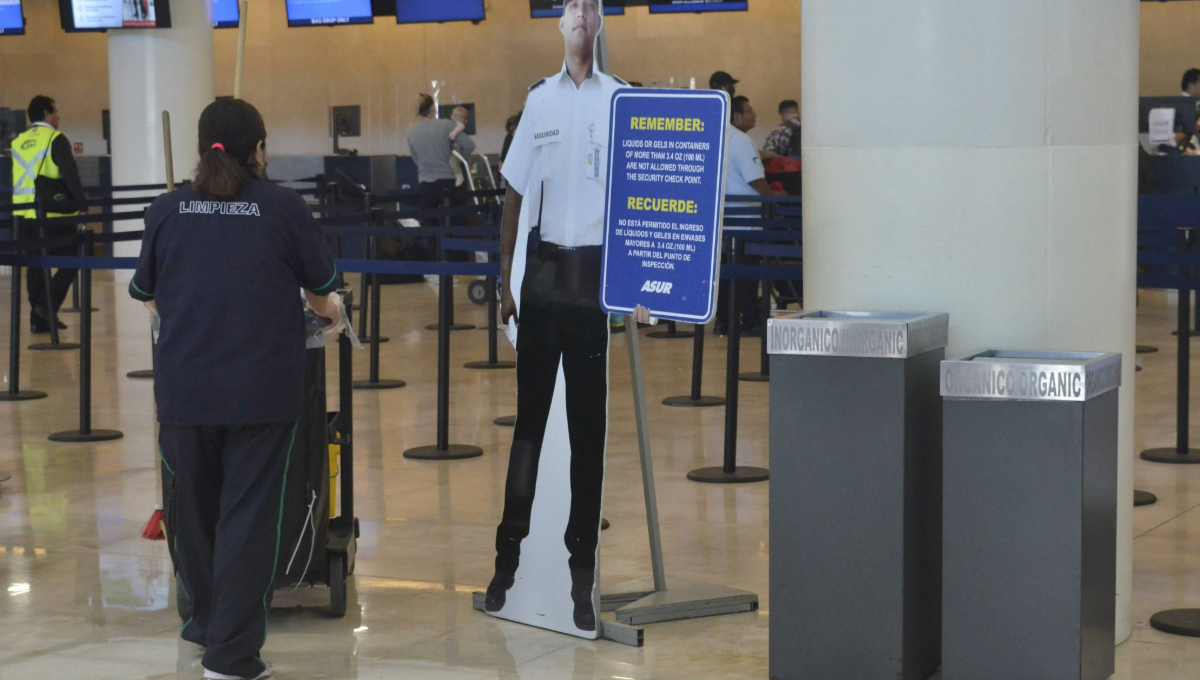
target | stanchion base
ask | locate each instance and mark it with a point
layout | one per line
(754, 377)
(1142, 498)
(1172, 456)
(1146, 349)
(51, 347)
(717, 475)
(77, 437)
(604, 525)
(637, 603)
(453, 327)
(74, 311)
(668, 335)
(452, 452)
(146, 374)
(686, 400)
(1177, 622)
(506, 421)
(366, 339)
(487, 365)
(23, 395)
(381, 385)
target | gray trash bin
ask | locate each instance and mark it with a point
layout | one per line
(856, 463)
(1030, 515)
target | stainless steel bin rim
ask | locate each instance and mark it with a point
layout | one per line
(883, 335)
(1024, 375)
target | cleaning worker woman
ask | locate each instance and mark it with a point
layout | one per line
(223, 261)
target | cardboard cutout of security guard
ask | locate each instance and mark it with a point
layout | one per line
(547, 544)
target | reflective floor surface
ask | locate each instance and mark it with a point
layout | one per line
(86, 598)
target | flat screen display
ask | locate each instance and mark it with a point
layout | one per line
(225, 13)
(425, 11)
(539, 9)
(98, 15)
(669, 6)
(328, 12)
(12, 20)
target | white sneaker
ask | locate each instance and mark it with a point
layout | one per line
(213, 675)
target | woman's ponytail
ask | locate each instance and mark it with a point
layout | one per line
(230, 132)
(218, 176)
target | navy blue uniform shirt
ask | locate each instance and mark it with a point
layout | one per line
(226, 278)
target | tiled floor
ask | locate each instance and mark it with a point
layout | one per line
(88, 599)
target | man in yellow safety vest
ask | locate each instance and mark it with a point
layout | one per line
(45, 173)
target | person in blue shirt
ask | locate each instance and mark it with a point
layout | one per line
(222, 263)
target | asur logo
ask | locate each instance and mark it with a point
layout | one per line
(657, 287)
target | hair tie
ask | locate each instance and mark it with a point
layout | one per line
(220, 146)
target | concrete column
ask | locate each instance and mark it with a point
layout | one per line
(979, 159)
(151, 71)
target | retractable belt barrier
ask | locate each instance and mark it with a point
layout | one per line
(26, 253)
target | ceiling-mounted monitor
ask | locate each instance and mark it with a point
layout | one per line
(540, 9)
(225, 13)
(12, 19)
(329, 12)
(99, 15)
(676, 6)
(426, 12)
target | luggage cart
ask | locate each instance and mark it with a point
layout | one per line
(317, 548)
(478, 180)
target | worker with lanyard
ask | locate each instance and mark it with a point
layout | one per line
(45, 175)
(222, 263)
(555, 173)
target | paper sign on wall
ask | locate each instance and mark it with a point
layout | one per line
(1162, 126)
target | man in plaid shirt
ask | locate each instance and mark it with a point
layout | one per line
(785, 139)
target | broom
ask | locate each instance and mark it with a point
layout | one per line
(156, 528)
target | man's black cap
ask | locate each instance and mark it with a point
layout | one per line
(720, 79)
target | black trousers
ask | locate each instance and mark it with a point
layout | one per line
(436, 195)
(749, 306)
(60, 283)
(224, 517)
(560, 318)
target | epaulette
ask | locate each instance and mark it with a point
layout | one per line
(620, 81)
(537, 84)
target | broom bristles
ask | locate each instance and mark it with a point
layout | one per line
(155, 529)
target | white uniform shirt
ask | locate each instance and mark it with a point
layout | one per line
(562, 129)
(743, 165)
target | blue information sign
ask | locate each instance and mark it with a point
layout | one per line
(662, 216)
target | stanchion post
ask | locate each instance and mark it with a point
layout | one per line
(85, 433)
(1181, 454)
(493, 360)
(48, 307)
(694, 398)
(441, 256)
(729, 472)
(732, 361)
(444, 450)
(15, 393)
(374, 382)
(764, 371)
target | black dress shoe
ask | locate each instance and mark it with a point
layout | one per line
(582, 582)
(37, 321)
(497, 592)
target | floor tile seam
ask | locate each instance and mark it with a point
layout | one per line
(1166, 521)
